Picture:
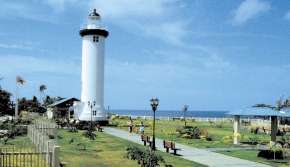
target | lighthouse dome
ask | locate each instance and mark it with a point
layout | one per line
(94, 15)
(94, 26)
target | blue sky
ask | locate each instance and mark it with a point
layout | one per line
(209, 54)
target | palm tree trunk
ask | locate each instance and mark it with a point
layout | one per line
(16, 102)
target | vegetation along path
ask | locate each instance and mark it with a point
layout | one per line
(201, 156)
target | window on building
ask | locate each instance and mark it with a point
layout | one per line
(95, 39)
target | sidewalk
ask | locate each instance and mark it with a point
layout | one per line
(201, 156)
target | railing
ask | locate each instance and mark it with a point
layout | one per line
(22, 157)
(43, 135)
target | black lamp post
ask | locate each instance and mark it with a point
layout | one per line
(154, 104)
(185, 108)
(91, 105)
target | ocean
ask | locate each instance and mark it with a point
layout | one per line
(172, 113)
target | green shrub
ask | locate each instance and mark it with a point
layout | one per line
(114, 124)
(81, 147)
(254, 140)
(90, 134)
(275, 151)
(219, 125)
(144, 157)
(4, 140)
(285, 139)
(189, 132)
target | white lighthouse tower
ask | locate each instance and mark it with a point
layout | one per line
(93, 36)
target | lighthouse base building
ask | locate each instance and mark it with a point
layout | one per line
(91, 106)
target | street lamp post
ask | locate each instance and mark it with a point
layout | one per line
(185, 108)
(91, 105)
(154, 104)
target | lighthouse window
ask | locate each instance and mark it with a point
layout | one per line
(95, 39)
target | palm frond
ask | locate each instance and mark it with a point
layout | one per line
(263, 106)
(42, 88)
(20, 80)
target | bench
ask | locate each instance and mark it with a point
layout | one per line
(170, 145)
(99, 128)
(145, 139)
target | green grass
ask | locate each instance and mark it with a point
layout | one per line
(18, 142)
(105, 151)
(222, 137)
(252, 156)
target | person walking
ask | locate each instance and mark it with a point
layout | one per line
(142, 128)
(130, 125)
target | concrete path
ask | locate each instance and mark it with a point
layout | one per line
(201, 156)
(249, 147)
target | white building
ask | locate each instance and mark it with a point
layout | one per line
(91, 106)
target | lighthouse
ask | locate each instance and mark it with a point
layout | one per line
(91, 107)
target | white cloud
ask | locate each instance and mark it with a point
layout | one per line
(122, 9)
(16, 46)
(151, 18)
(19, 9)
(177, 73)
(287, 15)
(28, 64)
(60, 5)
(168, 65)
(170, 32)
(250, 9)
(37, 10)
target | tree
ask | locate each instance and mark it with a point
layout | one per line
(144, 157)
(262, 105)
(19, 81)
(184, 110)
(280, 105)
(1, 78)
(6, 105)
(49, 100)
(42, 88)
(32, 105)
(35, 105)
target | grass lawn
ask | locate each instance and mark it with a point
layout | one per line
(105, 151)
(252, 156)
(222, 136)
(18, 142)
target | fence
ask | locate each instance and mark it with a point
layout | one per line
(43, 135)
(45, 154)
(48, 128)
(22, 157)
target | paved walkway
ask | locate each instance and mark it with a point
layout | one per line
(201, 156)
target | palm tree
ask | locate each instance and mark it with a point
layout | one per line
(1, 78)
(184, 110)
(280, 105)
(42, 88)
(19, 81)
